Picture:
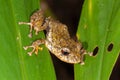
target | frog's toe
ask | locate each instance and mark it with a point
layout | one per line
(37, 48)
(30, 35)
(82, 63)
(25, 47)
(30, 53)
(90, 53)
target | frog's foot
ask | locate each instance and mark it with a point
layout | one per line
(34, 50)
(90, 53)
(31, 26)
(85, 52)
(36, 46)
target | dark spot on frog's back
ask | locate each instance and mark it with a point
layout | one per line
(47, 29)
(43, 22)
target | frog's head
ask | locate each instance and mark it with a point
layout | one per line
(71, 54)
(37, 21)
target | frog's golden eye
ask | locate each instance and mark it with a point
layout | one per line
(65, 51)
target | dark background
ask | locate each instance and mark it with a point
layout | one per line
(68, 12)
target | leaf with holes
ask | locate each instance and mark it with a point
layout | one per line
(15, 64)
(99, 28)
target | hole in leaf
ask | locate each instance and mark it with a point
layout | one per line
(110, 47)
(95, 51)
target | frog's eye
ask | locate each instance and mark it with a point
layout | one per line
(65, 51)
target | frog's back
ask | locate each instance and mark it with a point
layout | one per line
(57, 36)
(57, 32)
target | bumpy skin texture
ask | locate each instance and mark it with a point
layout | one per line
(58, 40)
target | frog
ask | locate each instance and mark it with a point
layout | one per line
(57, 40)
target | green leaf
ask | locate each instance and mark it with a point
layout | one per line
(99, 27)
(14, 60)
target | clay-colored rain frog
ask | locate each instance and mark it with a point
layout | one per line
(57, 40)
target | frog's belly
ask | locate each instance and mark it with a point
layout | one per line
(49, 45)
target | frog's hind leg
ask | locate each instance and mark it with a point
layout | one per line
(36, 46)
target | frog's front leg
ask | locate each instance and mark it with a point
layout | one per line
(36, 46)
(84, 52)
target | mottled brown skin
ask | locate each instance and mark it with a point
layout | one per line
(58, 40)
